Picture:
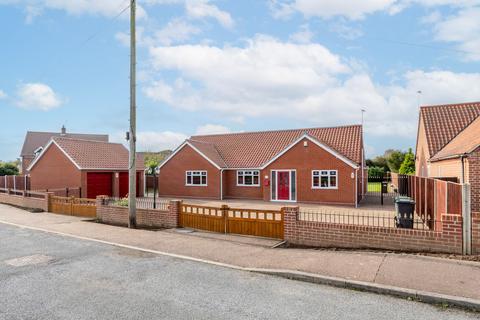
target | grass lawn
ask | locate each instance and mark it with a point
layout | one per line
(374, 187)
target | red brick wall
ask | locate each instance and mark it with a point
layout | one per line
(313, 157)
(231, 190)
(352, 236)
(117, 215)
(171, 180)
(54, 170)
(474, 180)
(25, 202)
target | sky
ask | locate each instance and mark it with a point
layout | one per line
(207, 66)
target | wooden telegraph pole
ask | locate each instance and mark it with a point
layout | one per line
(132, 172)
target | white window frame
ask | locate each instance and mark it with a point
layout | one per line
(320, 179)
(196, 173)
(252, 173)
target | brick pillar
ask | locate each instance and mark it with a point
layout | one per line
(174, 208)
(48, 201)
(100, 203)
(474, 180)
(290, 217)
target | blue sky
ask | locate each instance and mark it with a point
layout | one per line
(218, 66)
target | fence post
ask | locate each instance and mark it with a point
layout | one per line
(467, 220)
(225, 217)
(48, 199)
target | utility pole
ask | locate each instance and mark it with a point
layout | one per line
(132, 172)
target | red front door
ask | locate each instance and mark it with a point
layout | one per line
(283, 185)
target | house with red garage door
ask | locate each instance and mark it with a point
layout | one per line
(318, 165)
(96, 167)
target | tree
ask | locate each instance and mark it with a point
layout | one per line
(8, 169)
(408, 164)
(394, 159)
(376, 171)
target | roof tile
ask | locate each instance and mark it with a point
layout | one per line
(254, 149)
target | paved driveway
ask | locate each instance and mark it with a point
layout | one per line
(45, 276)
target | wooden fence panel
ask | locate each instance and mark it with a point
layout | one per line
(73, 206)
(261, 223)
(203, 218)
(454, 196)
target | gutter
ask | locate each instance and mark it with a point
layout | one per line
(462, 158)
(221, 183)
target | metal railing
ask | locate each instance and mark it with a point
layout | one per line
(142, 203)
(384, 219)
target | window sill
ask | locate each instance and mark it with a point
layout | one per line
(248, 185)
(325, 188)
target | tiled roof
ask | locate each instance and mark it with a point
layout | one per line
(35, 140)
(88, 154)
(444, 122)
(465, 142)
(254, 149)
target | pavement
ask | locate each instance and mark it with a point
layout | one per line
(383, 272)
(49, 276)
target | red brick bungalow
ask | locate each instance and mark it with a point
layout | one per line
(98, 168)
(318, 165)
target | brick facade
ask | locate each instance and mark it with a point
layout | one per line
(25, 201)
(318, 234)
(55, 171)
(474, 180)
(146, 218)
(304, 157)
(172, 181)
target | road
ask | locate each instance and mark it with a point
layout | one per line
(46, 276)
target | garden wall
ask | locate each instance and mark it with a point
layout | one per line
(321, 234)
(146, 218)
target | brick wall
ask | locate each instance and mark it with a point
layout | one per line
(318, 234)
(146, 218)
(25, 201)
(172, 181)
(474, 180)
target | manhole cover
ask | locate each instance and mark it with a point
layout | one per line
(29, 260)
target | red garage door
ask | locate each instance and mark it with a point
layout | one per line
(99, 184)
(123, 183)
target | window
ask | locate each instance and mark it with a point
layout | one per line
(324, 179)
(196, 178)
(248, 178)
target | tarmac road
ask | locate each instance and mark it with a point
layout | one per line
(46, 276)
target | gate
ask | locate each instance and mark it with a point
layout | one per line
(253, 222)
(379, 190)
(72, 206)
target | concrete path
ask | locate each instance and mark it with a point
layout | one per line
(443, 276)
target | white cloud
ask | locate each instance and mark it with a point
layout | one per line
(354, 10)
(305, 82)
(153, 141)
(37, 96)
(462, 29)
(3, 95)
(107, 8)
(304, 35)
(203, 9)
(330, 8)
(212, 129)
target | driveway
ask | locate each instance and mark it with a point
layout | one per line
(45, 276)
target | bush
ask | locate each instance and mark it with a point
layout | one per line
(122, 202)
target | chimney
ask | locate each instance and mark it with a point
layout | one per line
(64, 131)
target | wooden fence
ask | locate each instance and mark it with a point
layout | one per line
(15, 182)
(433, 197)
(261, 223)
(73, 206)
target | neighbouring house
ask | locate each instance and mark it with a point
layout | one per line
(98, 168)
(319, 165)
(35, 142)
(448, 135)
